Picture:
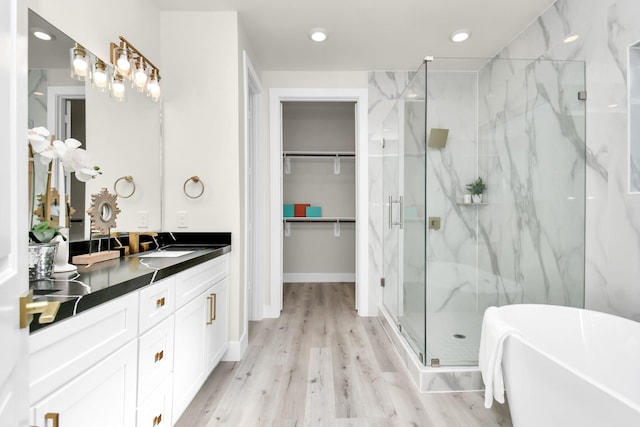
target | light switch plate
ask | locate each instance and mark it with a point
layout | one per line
(182, 219)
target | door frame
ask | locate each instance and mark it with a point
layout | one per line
(253, 153)
(364, 303)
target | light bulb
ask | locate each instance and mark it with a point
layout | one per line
(123, 62)
(100, 78)
(80, 65)
(140, 76)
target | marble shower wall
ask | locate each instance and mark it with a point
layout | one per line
(532, 156)
(606, 28)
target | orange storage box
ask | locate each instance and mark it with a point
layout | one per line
(300, 209)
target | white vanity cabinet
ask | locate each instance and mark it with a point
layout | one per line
(137, 360)
(201, 328)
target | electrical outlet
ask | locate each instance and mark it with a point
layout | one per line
(182, 219)
(143, 219)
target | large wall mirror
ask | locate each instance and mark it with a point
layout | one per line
(123, 138)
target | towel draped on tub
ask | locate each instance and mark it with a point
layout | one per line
(494, 331)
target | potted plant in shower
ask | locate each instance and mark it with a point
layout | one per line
(476, 188)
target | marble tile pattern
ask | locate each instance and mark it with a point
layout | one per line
(606, 28)
(532, 158)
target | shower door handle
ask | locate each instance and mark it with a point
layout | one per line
(401, 223)
(391, 221)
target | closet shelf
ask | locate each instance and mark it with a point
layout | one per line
(335, 220)
(318, 154)
(320, 219)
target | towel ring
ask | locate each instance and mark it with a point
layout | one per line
(129, 179)
(196, 180)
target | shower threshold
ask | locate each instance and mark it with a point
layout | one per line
(426, 378)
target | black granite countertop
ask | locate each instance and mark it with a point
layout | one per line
(95, 284)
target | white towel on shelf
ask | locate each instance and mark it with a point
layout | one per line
(494, 331)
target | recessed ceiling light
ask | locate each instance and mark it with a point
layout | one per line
(460, 36)
(42, 35)
(571, 38)
(318, 34)
(613, 105)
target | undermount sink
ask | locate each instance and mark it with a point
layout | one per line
(165, 254)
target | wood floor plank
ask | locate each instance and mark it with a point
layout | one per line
(320, 406)
(320, 364)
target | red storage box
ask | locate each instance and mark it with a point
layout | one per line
(300, 209)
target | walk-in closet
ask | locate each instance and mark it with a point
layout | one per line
(319, 191)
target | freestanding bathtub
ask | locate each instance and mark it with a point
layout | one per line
(571, 367)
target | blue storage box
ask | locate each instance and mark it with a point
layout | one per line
(287, 211)
(314, 211)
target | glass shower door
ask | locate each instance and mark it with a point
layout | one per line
(413, 202)
(404, 208)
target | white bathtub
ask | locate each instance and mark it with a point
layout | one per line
(571, 367)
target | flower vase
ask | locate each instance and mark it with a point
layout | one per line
(41, 259)
(476, 198)
(61, 264)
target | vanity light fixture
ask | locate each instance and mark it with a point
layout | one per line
(460, 36)
(130, 63)
(318, 35)
(79, 62)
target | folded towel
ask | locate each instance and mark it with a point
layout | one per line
(494, 331)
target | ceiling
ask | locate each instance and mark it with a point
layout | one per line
(370, 34)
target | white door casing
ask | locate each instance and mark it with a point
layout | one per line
(364, 304)
(13, 215)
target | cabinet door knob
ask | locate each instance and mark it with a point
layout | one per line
(54, 417)
(160, 302)
(210, 321)
(159, 356)
(157, 420)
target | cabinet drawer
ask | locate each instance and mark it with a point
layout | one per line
(64, 350)
(157, 302)
(155, 411)
(155, 357)
(103, 396)
(196, 280)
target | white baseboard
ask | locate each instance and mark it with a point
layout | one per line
(318, 277)
(236, 349)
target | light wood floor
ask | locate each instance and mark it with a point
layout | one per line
(320, 364)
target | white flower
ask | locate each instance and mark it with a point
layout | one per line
(39, 139)
(72, 157)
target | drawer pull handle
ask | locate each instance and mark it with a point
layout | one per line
(53, 416)
(160, 302)
(215, 305)
(210, 321)
(157, 420)
(159, 356)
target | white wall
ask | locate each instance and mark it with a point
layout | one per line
(201, 94)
